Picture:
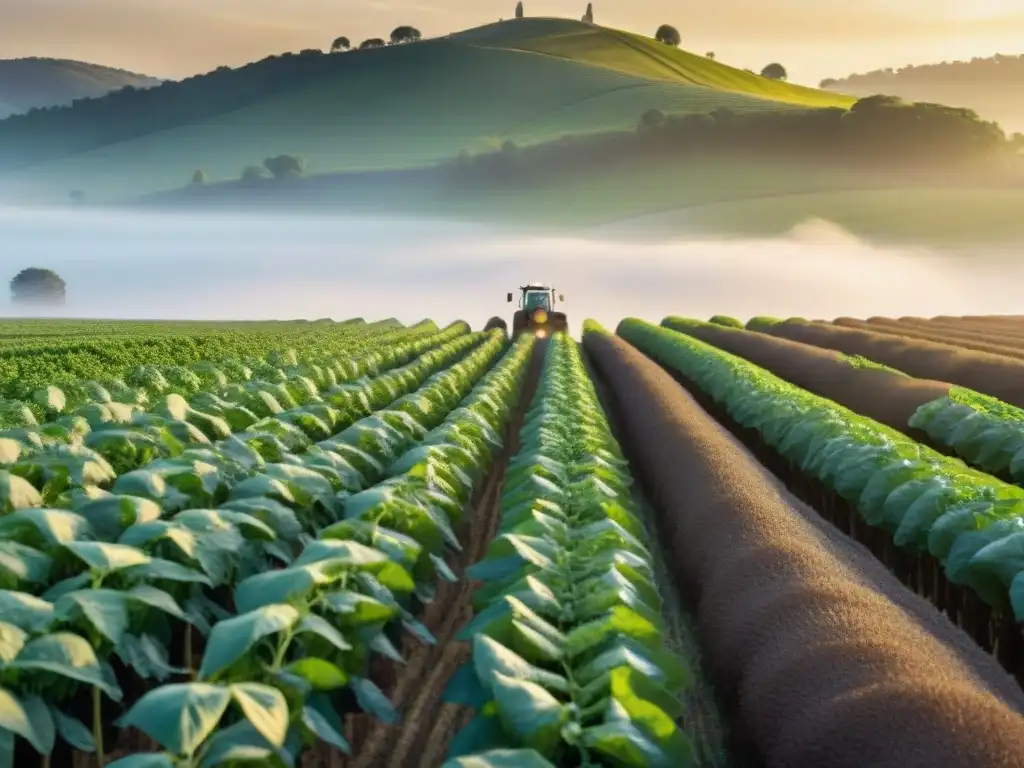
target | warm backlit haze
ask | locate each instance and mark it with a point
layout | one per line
(814, 38)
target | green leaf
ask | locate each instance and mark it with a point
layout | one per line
(501, 758)
(316, 625)
(321, 675)
(265, 708)
(322, 727)
(106, 558)
(179, 716)
(73, 731)
(67, 655)
(371, 699)
(43, 527)
(14, 717)
(105, 610)
(241, 744)
(17, 493)
(25, 611)
(42, 724)
(618, 621)
(12, 640)
(232, 638)
(146, 760)
(529, 712)
(491, 658)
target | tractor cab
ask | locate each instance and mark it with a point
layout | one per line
(537, 311)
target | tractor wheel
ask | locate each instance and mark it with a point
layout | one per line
(558, 322)
(496, 322)
(519, 322)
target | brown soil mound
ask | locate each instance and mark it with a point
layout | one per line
(1008, 337)
(995, 375)
(829, 660)
(878, 394)
(978, 343)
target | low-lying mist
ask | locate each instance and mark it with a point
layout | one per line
(120, 264)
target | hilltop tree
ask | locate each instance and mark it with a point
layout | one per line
(38, 286)
(519, 9)
(373, 42)
(199, 177)
(588, 17)
(284, 166)
(668, 35)
(405, 34)
(340, 44)
(651, 121)
(775, 71)
(710, 55)
(252, 174)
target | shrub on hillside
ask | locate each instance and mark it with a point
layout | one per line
(668, 35)
(284, 166)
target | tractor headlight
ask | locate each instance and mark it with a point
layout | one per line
(541, 334)
(540, 316)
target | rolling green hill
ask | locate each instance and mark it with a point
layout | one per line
(528, 80)
(35, 82)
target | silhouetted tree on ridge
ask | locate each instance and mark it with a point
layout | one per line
(405, 34)
(668, 35)
(775, 71)
(519, 9)
(340, 44)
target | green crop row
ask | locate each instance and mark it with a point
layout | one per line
(31, 365)
(971, 522)
(568, 662)
(305, 632)
(127, 573)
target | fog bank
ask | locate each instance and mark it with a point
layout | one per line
(198, 266)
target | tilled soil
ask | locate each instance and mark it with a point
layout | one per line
(422, 737)
(878, 394)
(1008, 337)
(979, 342)
(994, 375)
(826, 659)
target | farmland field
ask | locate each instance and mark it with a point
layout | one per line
(367, 544)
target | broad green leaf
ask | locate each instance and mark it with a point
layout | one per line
(491, 658)
(145, 760)
(67, 655)
(73, 731)
(12, 640)
(17, 493)
(106, 558)
(529, 712)
(25, 611)
(372, 700)
(322, 727)
(14, 717)
(321, 675)
(232, 638)
(265, 708)
(179, 716)
(105, 610)
(501, 758)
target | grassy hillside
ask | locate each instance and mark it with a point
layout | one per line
(990, 86)
(528, 80)
(28, 83)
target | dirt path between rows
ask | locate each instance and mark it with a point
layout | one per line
(428, 725)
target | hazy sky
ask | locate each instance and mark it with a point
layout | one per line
(814, 38)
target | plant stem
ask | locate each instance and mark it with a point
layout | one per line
(188, 652)
(97, 725)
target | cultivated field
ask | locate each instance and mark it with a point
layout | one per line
(367, 545)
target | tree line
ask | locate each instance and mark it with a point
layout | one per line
(877, 131)
(982, 71)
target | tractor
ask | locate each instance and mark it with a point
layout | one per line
(536, 311)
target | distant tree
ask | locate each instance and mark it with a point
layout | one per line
(775, 72)
(311, 52)
(38, 286)
(710, 55)
(199, 177)
(252, 173)
(373, 42)
(828, 82)
(588, 17)
(519, 9)
(878, 101)
(405, 34)
(340, 44)
(284, 166)
(651, 120)
(668, 35)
